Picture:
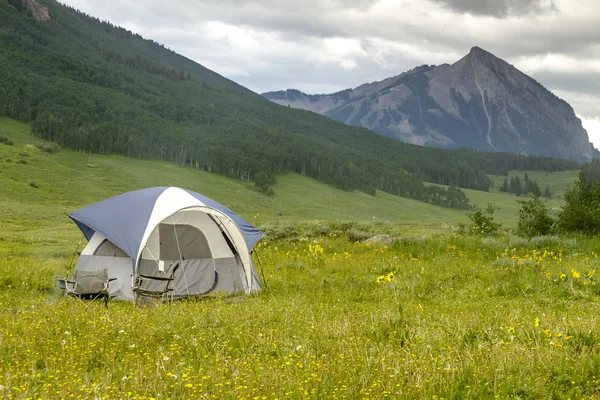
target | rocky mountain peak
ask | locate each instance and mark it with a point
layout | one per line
(476, 50)
(481, 58)
(480, 102)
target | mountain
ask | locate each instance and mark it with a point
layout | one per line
(479, 102)
(93, 87)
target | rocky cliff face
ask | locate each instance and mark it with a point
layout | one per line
(479, 102)
(32, 8)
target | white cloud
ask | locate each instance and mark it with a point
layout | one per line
(348, 64)
(592, 126)
(563, 63)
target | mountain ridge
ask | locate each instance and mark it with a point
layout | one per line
(480, 102)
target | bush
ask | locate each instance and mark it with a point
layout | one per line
(280, 230)
(49, 147)
(264, 182)
(33, 184)
(518, 242)
(22, 162)
(482, 221)
(6, 141)
(580, 213)
(355, 235)
(491, 242)
(546, 241)
(317, 229)
(534, 219)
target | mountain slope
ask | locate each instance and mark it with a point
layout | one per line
(94, 87)
(479, 102)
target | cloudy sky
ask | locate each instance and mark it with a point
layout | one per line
(322, 46)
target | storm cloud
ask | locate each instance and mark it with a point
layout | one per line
(322, 46)
(499, 8)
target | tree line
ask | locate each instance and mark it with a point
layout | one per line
(525, 187)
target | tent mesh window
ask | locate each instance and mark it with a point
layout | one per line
(183, 242)
(109, 249)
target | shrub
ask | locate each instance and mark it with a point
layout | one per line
(355, 235)
(264, 182)
(534, 219)
(517, 242)
(280, 230)
(491, 242)
(33, 184)
(22, 162)
(546, 241)
(49, 147)
(317, 229)
(580, 213)
(6, 141)
(482, 221)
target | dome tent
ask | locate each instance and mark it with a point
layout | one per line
(151, 230)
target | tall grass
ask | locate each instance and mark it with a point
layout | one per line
(453, 318)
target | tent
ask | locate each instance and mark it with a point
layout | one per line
(151, 230)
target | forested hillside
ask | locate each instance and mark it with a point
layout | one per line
(94, 87)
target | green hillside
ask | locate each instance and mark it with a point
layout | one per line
(94, 87)
(68, 180)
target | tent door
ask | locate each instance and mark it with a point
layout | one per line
(188, 245)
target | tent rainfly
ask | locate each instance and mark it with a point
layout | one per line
(149, 231)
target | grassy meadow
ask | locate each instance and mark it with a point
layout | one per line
(431, 315)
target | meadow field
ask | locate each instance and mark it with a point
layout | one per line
(433, 314)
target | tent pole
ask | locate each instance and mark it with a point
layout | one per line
(262, 271)
(187, 289)
(75, 252)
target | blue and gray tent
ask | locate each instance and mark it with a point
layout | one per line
(149, 231)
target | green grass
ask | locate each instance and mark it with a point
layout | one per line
(435, 315)
(454, 317)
